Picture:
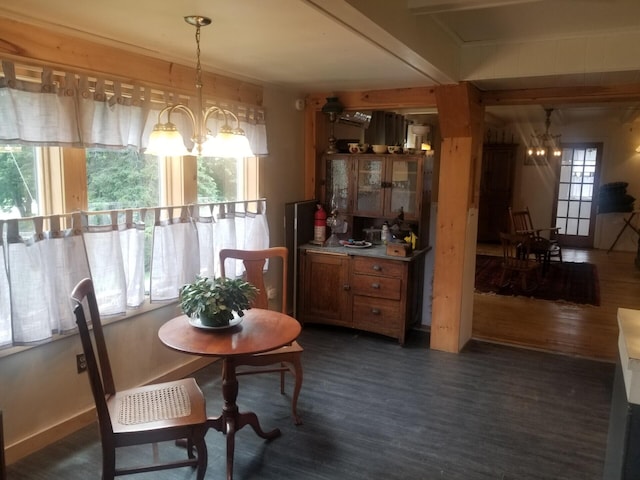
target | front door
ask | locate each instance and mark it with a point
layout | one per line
(575, 205)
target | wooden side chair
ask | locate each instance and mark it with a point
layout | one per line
(544, 248)
(288, 358)
(171, 411)
(516, 261)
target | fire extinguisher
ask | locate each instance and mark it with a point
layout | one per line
(320, 225)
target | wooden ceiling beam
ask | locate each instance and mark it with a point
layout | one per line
(562, 95)
(379, 99)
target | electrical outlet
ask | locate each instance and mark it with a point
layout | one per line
(81, 362)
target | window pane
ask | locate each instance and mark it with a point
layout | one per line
(18, 181)
(121, 179)
(220, 179)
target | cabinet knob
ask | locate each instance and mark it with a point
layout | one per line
(377, 268)
(346, 286)
(375, 286)
(375, 311)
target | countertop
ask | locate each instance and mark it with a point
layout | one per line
(375, 251)
(629, 349)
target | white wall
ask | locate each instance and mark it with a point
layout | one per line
(535, 185)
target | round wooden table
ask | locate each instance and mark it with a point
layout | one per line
(260, 331)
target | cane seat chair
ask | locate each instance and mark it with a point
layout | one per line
(543, 247)
(517, 262)
(287, 358)
(163, 412)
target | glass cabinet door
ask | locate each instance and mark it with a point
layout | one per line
(338, 184)
(404, 186)
(369, 185)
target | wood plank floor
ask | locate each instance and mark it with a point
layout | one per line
(582, 330)
(375, 410)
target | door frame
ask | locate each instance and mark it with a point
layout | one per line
(575, 240)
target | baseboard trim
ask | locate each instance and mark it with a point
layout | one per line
(35, 442)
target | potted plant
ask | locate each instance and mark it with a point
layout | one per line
(216, 301)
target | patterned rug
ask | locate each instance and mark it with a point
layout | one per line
(567, 281)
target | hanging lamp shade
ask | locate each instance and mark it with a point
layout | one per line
(165, 140)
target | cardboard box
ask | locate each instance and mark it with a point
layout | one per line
(399, 249)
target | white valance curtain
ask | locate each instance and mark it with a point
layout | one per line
(74, 110)
(42, 262)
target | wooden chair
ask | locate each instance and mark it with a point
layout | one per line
(543, 248)
(289, 356)
(171, 411)
(516, 260)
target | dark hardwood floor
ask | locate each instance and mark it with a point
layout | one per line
(375, 410)
(561, 327)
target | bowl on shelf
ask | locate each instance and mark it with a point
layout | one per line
(379, 148)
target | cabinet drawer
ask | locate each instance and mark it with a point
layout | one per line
(380, 287)
(379, 316)
(376, 266)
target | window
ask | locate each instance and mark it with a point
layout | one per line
(227, 179)
(119, 179)
(18, 181)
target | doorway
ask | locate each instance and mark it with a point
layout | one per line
(575, 202)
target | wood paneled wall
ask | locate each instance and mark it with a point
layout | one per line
(39, 46)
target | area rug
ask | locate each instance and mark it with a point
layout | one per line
(567, 281)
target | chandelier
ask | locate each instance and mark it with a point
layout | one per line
(166, 140)
(543, 143)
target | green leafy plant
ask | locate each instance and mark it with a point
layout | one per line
(215, 300)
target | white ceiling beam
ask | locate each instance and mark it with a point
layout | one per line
(421, 46)
(428, 7)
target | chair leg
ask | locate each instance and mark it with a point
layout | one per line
(108, 464)
(297, 372)
(201, 449)
(282, 372)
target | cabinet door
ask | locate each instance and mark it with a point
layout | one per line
(369, 177)
(404, 186)
(498, 167)
(325, 293)
(339, 183)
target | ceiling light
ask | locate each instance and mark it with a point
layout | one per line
(544, 143)
(166, 140)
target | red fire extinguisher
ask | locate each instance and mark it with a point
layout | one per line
(320, 225)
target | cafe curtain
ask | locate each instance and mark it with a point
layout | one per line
(5, 305)
(43, 266)
(41, 262)
(175, 252)
(47, 107)
(241, 225)
(115, 248)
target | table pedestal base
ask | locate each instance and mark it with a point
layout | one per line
(231, 420)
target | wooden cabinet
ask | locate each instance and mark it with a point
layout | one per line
(496, 186)
(369, 293)
(325, 295)
(375, 185)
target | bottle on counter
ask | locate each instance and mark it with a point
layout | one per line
(386, 234)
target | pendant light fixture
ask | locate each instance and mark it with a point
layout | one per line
(545, 144)
(166, 140)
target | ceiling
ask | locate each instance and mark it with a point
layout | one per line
(333, 45)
